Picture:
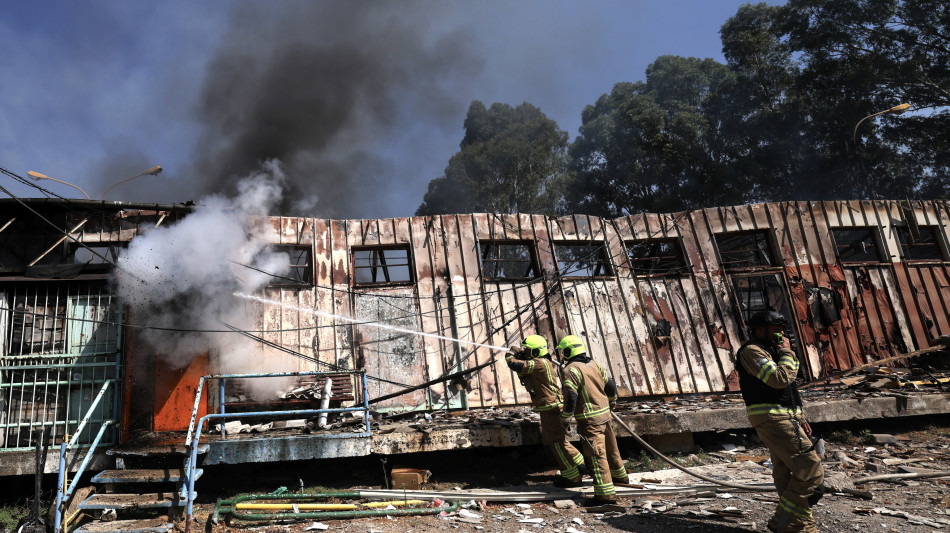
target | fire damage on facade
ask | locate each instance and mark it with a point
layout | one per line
(661, 300)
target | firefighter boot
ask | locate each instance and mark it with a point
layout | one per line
(600, 499)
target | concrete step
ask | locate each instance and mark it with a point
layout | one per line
(154, 450)
(154, 500)
(143, 475)
(158, 524)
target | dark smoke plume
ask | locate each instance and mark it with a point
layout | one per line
(315, 86)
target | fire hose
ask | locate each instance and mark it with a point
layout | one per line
(654, 451)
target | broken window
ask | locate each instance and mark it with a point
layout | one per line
(745, 250)
(511, 260)
(858, 245)
(97, 254)
(655, 256)
(382, 265)
(586, 259)
(924, 246)
(763, 293)
(301, 265)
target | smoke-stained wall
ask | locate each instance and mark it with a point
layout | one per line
(658, 334)
(661, 332)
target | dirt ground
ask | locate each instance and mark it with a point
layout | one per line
(908, 446)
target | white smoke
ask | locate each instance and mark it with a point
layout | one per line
(181, 277)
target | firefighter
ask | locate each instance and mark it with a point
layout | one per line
(767, 369)
(532, 362)
(589, 396)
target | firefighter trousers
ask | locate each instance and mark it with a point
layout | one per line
(554, 436)
(796, 470)
(600, 445)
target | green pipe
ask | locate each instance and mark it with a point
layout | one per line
(227, 507)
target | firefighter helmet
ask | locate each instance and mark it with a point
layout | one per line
(762, 319)
(536, 345)
(571, 346)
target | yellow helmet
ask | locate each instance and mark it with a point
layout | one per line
(571, 346)
(536, 345)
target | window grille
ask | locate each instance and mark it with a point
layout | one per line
(582, 259)
(655, 256)
(382, 265)
(513, 260)
(60, 345)
(745, 250)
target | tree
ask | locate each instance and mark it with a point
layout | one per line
(512, 159)
(656, 145)
(859, 57)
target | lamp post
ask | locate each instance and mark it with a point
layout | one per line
(154, 171)
(896, 110)
(36, 176)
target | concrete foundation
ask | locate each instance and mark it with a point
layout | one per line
(672, 429)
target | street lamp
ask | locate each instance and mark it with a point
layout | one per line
(37, 177)
(154, 171)
(896, 110)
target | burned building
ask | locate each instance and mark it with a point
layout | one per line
(661, 300)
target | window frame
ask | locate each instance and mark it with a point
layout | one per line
(879, 243)
(529, 244)
(604, 260)
(938, 242)
(680, 257)
(768, 234)
(308, 266)
(113, 253)
(410, 266)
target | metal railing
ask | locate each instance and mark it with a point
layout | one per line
(195, 424)
(63, 492)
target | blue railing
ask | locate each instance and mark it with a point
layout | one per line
(63, 492)
(195, 424)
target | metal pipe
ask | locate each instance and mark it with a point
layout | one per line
(86, 460)
(193, 450)
(365, 402)
(325, 403)
(92, 408)
(231, 507)
(60, 489)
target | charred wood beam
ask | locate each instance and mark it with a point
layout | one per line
(68, 235)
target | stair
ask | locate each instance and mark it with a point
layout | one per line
(146, 489)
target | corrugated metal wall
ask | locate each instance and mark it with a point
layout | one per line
(845, 313)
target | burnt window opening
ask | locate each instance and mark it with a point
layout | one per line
(97, 255)
(382, 265)
(763, 293)
(508, 260)
(745, 250)
(300, 271)
(582, 259)
(656, 256)
(924, 246)
(858, 245)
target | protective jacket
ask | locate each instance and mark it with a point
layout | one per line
(539, 378)
(767, 378)
(588, 391)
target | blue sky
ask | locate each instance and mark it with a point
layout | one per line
(94, 92)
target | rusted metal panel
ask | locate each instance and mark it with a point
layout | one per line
(875, 310)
